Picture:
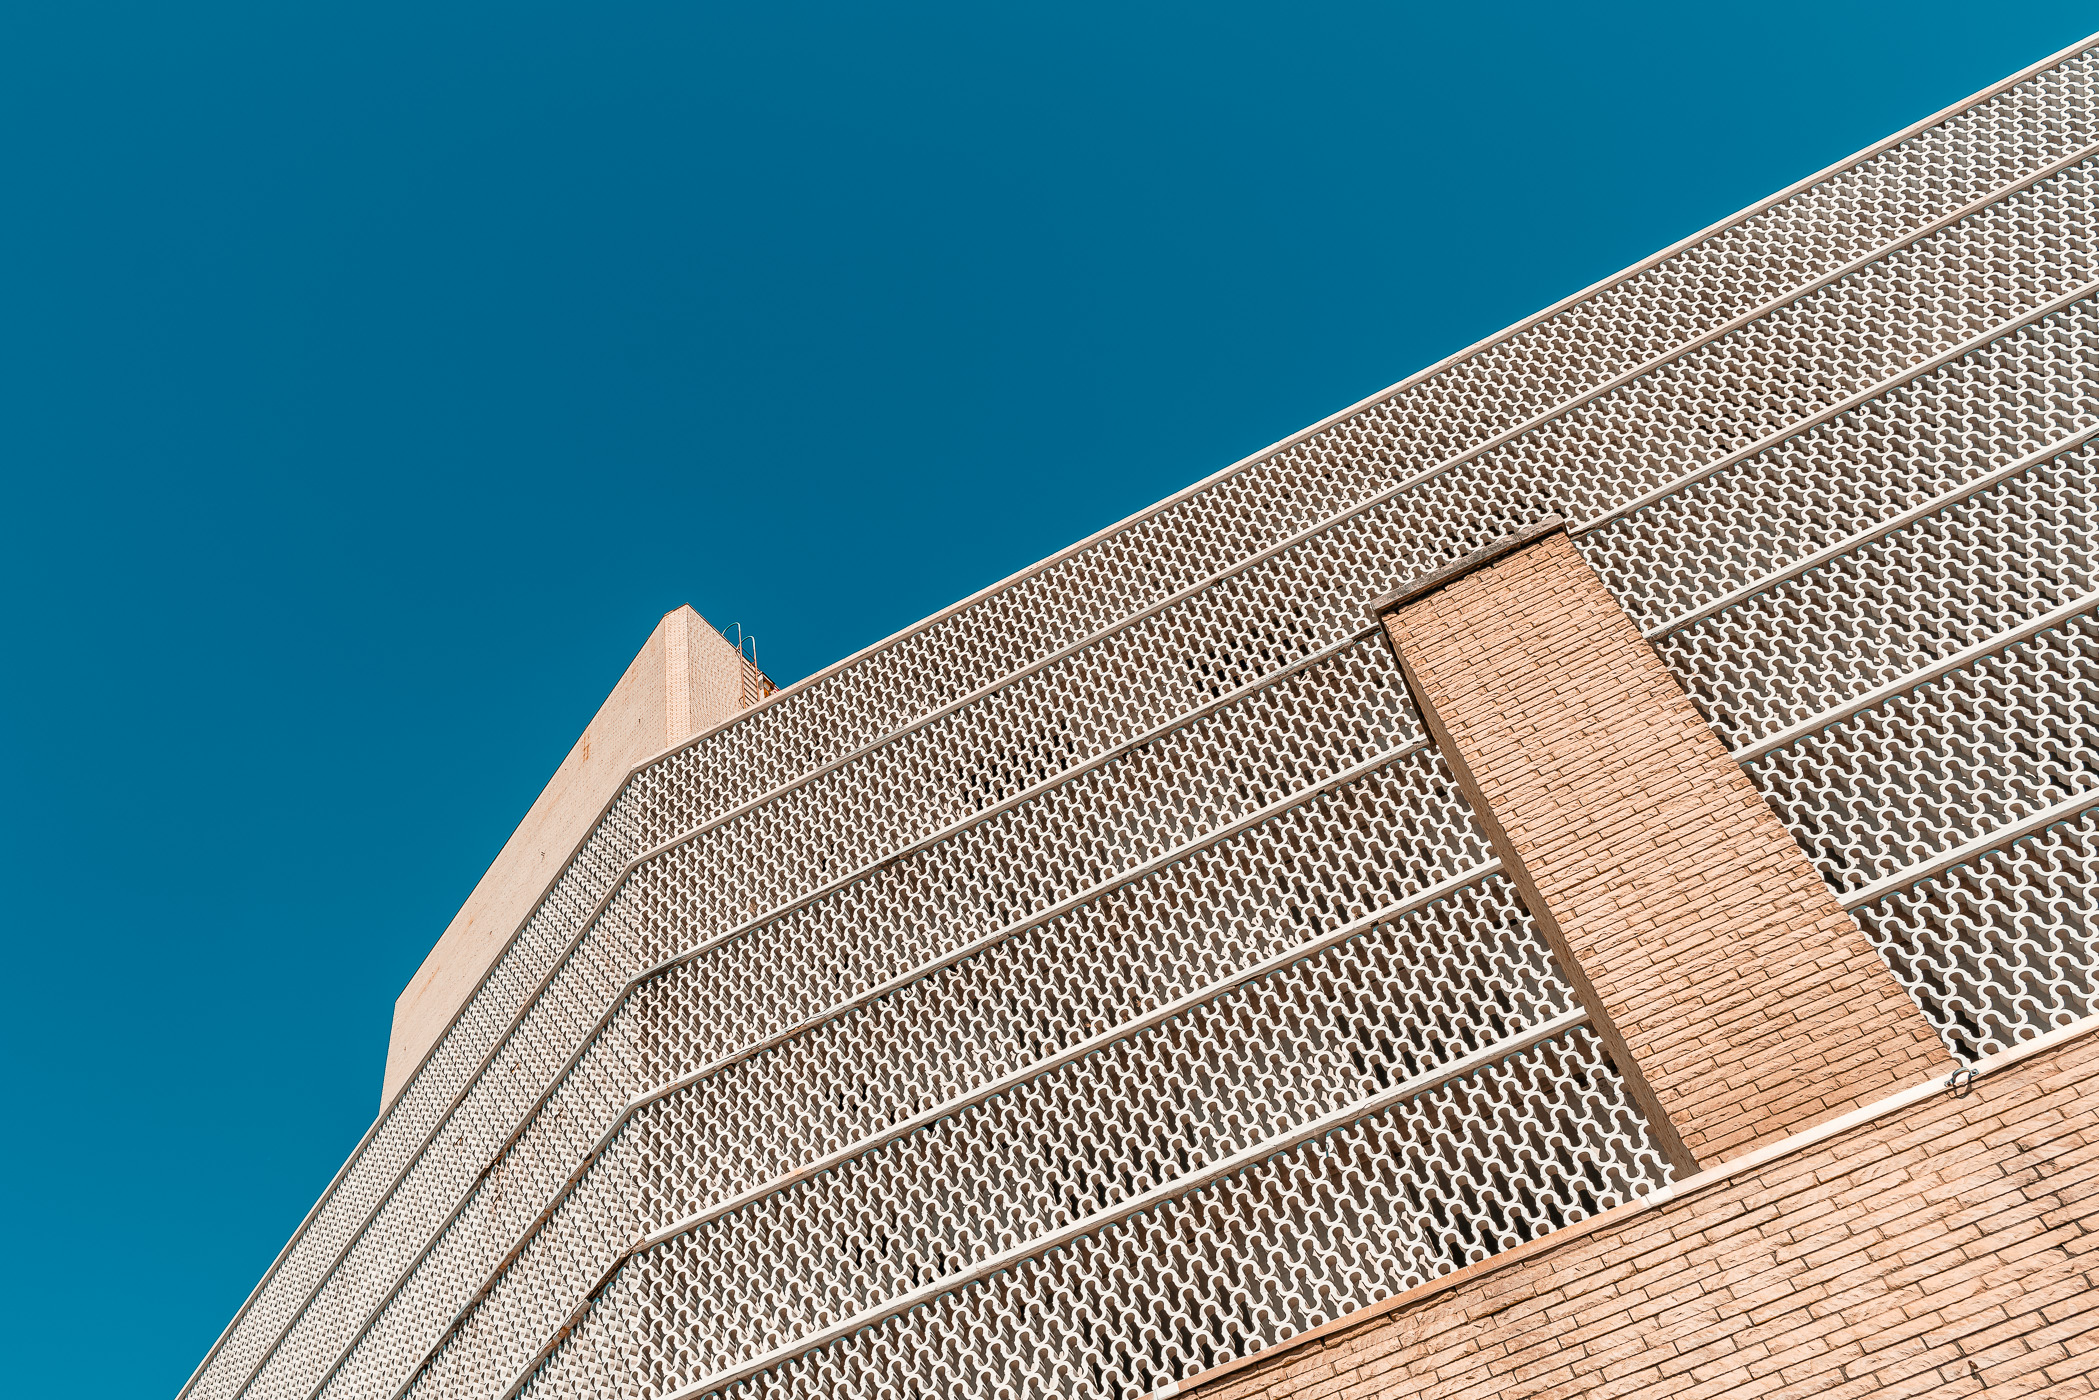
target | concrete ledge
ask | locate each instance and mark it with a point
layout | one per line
(1678, 1194)
(1479, 559)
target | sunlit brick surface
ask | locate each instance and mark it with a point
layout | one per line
(1750, 1003)
(1106, 978)
(1945, 1250)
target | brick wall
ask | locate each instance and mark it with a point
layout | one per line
(1946, 1249)
(1708, 949)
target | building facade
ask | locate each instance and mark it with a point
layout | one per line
(1574, 875)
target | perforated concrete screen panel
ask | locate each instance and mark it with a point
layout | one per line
(1111, 978)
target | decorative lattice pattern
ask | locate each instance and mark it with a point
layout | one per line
(1816, 454)
(2003, 949)
(1235, 1061)
(1934, 768)
(1302, 730)
(1887, 607)
(1372, 1206)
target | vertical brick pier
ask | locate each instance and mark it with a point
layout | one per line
(1844, 1220)
(1945, 1247)
(1741, 999)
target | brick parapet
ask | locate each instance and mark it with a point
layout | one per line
(1742, 1001)
(1925, 1244)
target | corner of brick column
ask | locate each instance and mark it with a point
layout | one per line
(1740, 1000)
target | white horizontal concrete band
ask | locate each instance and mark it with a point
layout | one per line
(1923, 675)
(803, 1027)
(1244, 464)
(1137, 1205)
(1894, 524)
(2009, 834)
(1003, 1084)
(590, 923)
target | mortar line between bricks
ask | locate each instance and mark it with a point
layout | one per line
(1619, 1215)
(2061, 165)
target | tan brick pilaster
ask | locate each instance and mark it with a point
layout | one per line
(1741, 1001)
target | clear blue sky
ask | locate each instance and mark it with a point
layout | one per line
(373, 376)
